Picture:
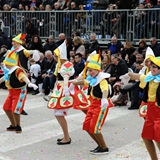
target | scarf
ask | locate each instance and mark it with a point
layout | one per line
(150, 77)
(92, 80)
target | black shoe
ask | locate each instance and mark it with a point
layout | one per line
(134, 106)
(46, 98)
(94, 149)
(34, 93)
(59, 139)
(24, 113)
(101, 151)
(11, 128)
(64, 143)
(18, 129)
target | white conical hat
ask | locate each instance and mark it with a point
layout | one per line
(92, 54)
(61, 51)
(149, 52)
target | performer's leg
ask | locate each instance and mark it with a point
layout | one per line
(94, 138)
(17, 119)
(100, 140)
(63, 123)
(158, 145)
(10, 115)
(151, 149)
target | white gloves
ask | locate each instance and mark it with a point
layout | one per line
(104, 103)
(36, 55)
(31, 85)
(71, 88)
(125, 78)
(66, 91)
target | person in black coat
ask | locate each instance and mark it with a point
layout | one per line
(30, 30)
(92, 45)
(50, 45)
(79, 66)
(155, 46)
(36, 43)
(118, 68)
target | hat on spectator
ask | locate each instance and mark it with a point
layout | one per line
(19, 38)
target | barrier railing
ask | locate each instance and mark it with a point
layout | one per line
(129, 25)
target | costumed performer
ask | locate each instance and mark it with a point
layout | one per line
(15, 80)
(151, 94)
(61, 99)
(98, 90)
(22, 54)
(145, 70)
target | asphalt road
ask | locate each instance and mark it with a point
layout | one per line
(122, 133)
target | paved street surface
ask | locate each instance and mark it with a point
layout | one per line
(122, 132)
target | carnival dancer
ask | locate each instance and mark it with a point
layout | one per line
(151, 94)
(98, 109)
(22, 54)
(15, 80)
(145, 70)
(62, 99)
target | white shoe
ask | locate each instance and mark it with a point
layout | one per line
(40, 94)
(49, 94)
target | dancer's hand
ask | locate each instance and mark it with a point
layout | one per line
(104, 103)
(31, 85)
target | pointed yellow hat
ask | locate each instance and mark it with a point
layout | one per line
(19, 38)
(95, 62)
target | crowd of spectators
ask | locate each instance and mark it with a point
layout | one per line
(117, 60)
(110, 23)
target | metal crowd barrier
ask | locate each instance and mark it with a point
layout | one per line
(129, 25)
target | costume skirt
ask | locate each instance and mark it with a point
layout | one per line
(59, 101)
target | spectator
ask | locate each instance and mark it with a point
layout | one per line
(92, 45)
(78, 45)
(4, 40)
(79, 66)
(142, 46)
(109, 18)
(42, 62)
(30, 30)
(127, 53)
(50, 45)
(47, 74)
(106, 63)
(72, 60)
(66, 5)
(61, 38)
(36, 43)
(118, 68)
(140, 19)
(115, 46)
(155, 46)
(132, 86)
(72, 53)
(35, 69)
